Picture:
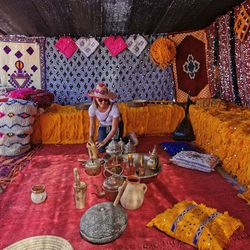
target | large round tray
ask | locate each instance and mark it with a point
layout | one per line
(118, 166)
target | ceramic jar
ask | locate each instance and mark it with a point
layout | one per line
(38, 193)
(133, 195)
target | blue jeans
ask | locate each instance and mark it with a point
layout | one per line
(102, 133)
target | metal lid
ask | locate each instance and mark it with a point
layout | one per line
(103, 223)
(113, 147)
(129, 148)
(112, 183)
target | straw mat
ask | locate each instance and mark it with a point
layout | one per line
(45, 242)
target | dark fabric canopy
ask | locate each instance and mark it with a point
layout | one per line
(104, 17)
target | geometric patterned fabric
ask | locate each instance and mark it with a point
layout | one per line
(16, 120)
(21, 62)
(129, 76)
(198, 225)
(190, 65)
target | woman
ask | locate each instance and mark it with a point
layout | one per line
(107, 113)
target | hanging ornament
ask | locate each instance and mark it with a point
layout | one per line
(87, 45)
(163, 51)
(115, 45)
(136, 45)
(66, 45)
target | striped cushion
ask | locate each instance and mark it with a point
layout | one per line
(16, 120)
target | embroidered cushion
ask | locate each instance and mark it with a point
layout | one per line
(195, 160)
(16, 120)
(175, 147)
(42, 98)
(67, 46)
(197, 225)
(115, 45)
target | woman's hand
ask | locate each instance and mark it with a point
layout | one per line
(100, 144)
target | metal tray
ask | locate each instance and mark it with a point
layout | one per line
(118, 166)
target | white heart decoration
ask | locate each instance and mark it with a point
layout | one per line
(136, 46)
(87, 45)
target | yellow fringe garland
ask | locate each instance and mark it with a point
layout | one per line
(163, 51)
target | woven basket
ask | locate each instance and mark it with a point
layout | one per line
(45, 242)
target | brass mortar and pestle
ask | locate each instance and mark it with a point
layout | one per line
(92, 166)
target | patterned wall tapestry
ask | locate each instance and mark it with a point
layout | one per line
(190, 65)
(242, 50)
(233, 58)
(129, 76)
(21, 62)
(212, 56)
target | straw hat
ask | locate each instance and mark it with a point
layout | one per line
(45, 242)
(101, 91)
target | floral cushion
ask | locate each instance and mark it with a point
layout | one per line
(175, 147)
(197, 225)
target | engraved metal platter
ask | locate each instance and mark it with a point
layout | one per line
(118, 166)
(103, 223)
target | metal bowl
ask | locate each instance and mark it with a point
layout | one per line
(145, 173)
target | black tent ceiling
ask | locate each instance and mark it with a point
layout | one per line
(103, 17)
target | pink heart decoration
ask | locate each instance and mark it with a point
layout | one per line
(66, 45)
(115, 45)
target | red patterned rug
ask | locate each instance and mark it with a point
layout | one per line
(53, 166)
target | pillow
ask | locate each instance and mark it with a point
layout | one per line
(175, 147)
(197, 225)
(16, 120)
(195, 160)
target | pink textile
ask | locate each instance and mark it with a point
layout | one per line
(53, 165)
(67, 46)
(20, 93)
(115, 45)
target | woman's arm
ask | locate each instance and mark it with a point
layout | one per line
(115, 122)
(92, 122)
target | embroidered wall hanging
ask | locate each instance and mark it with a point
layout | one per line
(136, 44)
(21, 63)
(130, 77)
(242, 24)
(115, 45)
(242, 57)
(190, 66)
(87, 45)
